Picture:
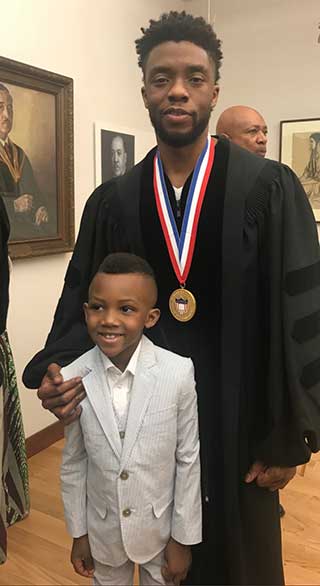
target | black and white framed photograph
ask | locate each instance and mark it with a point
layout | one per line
(115, 152)
(36, 158)
(117, 149)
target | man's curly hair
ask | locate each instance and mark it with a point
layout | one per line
(179, 26)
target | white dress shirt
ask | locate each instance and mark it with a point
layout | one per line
(178, 192)
(120, 385)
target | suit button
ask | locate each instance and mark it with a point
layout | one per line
(124, 475)
(126, 512)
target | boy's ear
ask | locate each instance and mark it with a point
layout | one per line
(85, 309)
(152, 318)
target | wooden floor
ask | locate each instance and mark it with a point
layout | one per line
(301, 526)
(39, 547)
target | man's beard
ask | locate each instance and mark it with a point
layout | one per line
(179, 139)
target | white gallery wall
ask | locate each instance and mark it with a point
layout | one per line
(91, 41)
(271, 59)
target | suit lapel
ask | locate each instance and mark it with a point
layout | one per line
(99, 397)
(141, 393)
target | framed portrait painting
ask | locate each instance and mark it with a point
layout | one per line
(36, 159)
(117, 149)
(300, 149)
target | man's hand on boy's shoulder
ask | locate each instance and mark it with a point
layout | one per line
(61, 397)
(178, 561)
(81, 557)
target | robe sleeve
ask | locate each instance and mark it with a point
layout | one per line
(291, 253)
(99, 234)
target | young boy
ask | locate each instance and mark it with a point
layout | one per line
(130, 471)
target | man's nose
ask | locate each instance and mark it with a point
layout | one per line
(178, 91)
(262, 137)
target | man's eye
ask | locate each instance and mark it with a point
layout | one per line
(196, 79)
(161, 80)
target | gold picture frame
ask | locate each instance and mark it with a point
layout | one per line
(36, 158)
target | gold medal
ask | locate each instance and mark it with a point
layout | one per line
(180, 244)
(182, 304)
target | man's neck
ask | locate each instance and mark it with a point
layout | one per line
(4, 139)
(179, 162)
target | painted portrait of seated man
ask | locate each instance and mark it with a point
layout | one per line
(26, 208)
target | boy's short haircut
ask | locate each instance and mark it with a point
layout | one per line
(179, 26)
(119, 263)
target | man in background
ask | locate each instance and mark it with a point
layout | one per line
(18, 186)
(245, 127)
(118, 156)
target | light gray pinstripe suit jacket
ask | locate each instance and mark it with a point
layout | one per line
(133, 515)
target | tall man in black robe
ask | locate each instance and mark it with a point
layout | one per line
(247, 128)
(255, 274)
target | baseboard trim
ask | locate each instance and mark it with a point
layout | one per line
(43, 439)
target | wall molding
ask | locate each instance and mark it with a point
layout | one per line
(43, 439)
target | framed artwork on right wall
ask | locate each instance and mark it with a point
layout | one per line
(300, 149)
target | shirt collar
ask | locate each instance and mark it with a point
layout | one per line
(3, 142)
(132, 364)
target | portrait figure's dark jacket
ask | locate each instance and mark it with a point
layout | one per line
(265, 363)
(12, 185)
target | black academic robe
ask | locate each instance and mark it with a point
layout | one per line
(4, 271)
(257, 364)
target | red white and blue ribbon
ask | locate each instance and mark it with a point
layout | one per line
(181, 246)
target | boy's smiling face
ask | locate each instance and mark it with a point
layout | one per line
(120, 306)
